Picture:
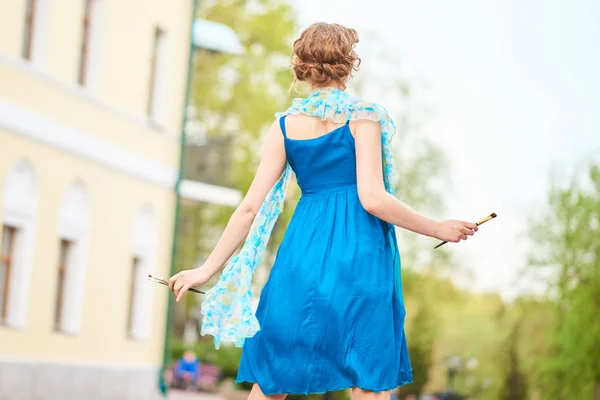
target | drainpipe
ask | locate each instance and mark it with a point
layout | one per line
(182, 143)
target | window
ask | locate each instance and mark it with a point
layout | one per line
(145, 240)
(90, 43)
(19, 209)
(85, 42)
(133, 290)
(35, 28)
(6, 257)
(63, 264)
(157, 76)
(72, 259)
(30, 19)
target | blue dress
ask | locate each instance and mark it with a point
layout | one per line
(331, 314)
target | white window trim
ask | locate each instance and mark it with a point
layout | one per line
(143, 299)
(157, 113)
(74, 226)
(205, 192)
(145, 240)
(94, 46)
(22, 216)
(41, 30)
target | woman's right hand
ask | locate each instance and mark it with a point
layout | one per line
(184, 280)
(455, 231)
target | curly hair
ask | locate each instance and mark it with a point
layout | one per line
(324, 55)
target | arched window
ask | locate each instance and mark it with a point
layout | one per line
(19, 209)
(143, 262)
(72, 259)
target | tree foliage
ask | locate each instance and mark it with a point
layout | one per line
(234, 98)
(237, 95)
(421, 337)
(515, 384)
(568, 249)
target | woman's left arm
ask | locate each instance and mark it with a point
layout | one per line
(269, 170)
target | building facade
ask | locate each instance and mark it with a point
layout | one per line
(91, 100)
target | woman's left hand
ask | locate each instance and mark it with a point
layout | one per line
(182, 281)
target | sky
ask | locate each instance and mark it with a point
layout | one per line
(514, 89)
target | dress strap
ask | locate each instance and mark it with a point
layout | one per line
(282, 125)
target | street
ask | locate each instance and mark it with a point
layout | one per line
(183, 395)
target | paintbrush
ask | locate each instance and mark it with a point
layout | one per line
(486, 219)
(166, 283)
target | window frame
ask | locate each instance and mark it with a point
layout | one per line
(136, 267)
(29, 28)
(74, 226)
(157, 76)
(84, 56)
(7, 260)
(64, 257)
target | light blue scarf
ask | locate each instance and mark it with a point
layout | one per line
(227, 308)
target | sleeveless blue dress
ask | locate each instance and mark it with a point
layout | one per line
(331, 317)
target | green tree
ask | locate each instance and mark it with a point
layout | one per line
(515, 385)
(234, 98)
(420, 347)
(536, 327)
(568, 249)
(236, 95)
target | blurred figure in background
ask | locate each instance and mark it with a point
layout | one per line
(187, 371)
(394, 394)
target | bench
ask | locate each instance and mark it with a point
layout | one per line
(209, 377)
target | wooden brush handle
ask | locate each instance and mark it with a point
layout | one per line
(483, 221)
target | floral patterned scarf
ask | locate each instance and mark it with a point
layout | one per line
(227, 308)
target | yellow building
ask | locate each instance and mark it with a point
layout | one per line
(91, 102)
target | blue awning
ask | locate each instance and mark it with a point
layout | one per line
(216, 37)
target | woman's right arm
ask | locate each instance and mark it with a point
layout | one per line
(269, 170)
(377, 201)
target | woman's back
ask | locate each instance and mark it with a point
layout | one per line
(303, 127)
(321, 153)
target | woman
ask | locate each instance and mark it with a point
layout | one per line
(331, 315)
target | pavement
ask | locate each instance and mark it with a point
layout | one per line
(183, 395)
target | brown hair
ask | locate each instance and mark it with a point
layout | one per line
(324, 54)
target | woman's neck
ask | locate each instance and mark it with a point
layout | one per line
(328, 87)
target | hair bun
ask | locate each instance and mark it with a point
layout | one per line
(324, 54)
